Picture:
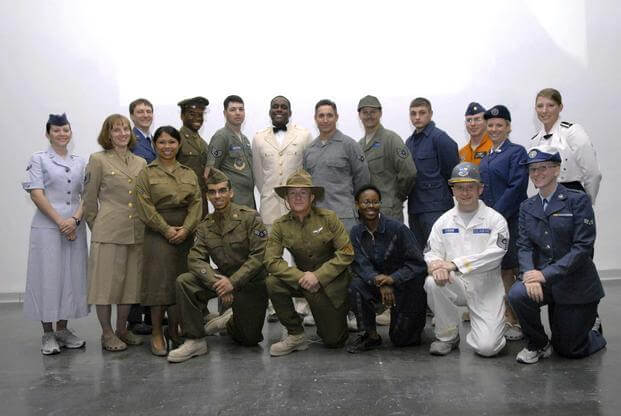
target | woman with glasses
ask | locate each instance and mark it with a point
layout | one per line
(389, 269)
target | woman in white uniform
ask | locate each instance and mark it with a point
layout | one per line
(56, 282)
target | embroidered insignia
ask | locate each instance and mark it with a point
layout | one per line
(588, 221)
(204, 271)
(482, 231)
(480, 155)
(216, 153)
(502, 241)
(463, 171)
(532, 154)
(450, 231)
(239, 164)
(495, 111)
(318, 230)
(376, 145)
(402, 153)
(234, 147)
(348, 249)
(260, 233)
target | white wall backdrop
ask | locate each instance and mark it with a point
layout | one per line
(90, 59)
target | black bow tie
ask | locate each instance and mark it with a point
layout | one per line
(547, 136)
(277, 129)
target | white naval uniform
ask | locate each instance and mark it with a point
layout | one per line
(579, 162)
(477, 250)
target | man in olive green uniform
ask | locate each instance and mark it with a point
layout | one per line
(390, 164)
(194, 150)
(234, 237)
(230, 151)
(322, 251)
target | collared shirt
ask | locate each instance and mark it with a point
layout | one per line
(467, 154)
(392, 250)
(143, 147)
(340, 167)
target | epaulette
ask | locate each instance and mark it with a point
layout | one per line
(566, 124)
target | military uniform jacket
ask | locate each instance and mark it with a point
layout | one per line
(233, 156)
(235, 240)
(319, 244)
(273, 164)
(158, 189)
(578, 159)
(467, 154)
(110, 200)
(340, 167)
(435, 155)
(391, 168)
(193, 153)
(505, 179)
(559, 243)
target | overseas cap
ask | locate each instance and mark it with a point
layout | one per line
(369, 101)
(498, 111)
(541, 154)
(58, 119)
(474, 108)
(299, 179)
(465, 172)
(193, 102)
(216, 176)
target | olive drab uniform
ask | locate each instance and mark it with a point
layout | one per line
(392, 169)
(193, 153)
(233, 156)
(235, 240)
(319, 244)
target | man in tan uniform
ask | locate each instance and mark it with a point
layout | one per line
(234, 237)
(322, 251)
(194, 150)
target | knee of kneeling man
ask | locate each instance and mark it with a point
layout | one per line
(271, 282)
(430, 284)
(488, 349)
(184, 278)
(517, 292)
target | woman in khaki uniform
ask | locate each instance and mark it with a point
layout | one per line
(170, 204)
(115, 262)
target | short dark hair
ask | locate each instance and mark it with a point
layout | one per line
(232, 99)
(325, 101)
(367, 187)
(49, 125)
(421, 102)
(552, 94)
(104, 138)
(170, 130)
(134, 104)
(284, 98)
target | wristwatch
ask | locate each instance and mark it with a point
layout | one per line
(77, 221)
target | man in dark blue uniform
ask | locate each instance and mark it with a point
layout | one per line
(435, 155)
(141, 113)
(556, 238)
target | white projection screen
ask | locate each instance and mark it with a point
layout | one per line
(91, 58)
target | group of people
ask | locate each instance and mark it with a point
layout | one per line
(330, 230)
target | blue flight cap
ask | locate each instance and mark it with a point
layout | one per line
(474, 108)
(536, 154)
(498, 111)
(58, 119)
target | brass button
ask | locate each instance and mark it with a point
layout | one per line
(130, 216)
(129, 180)
(131, 192)
(130, 205)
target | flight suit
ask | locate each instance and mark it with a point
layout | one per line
(235, 241)
(193, 153)
(233, 156)
(467, 154)
(391, 168)
(319, 244)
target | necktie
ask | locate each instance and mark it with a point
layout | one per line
(545, 204)
(277, 129)
(547, 136)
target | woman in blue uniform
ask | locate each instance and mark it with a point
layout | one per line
(56, 282)
(505, 182)
(556, 238)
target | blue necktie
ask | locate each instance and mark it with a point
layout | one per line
(545, 204)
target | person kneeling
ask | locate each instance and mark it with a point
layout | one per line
(234, 237)
(463, 254)
(388, 267)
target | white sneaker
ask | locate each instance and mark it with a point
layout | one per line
(527, 356)
(383, 319)
(438, 347)
(289, 344)
(49, 345)
(67, 338)
(190, 348)
(219, 324)
(513, 332)
(352, 323)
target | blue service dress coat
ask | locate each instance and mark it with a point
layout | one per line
(56, 276)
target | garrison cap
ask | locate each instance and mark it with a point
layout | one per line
(539, 154)
(216, 176)
(193, 102)
(299, 179)
(369, 101)
(474, 108)
(465, 172)
(498, 111)
(57, 119)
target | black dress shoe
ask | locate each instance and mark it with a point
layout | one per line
(364, 343)
(141, 329)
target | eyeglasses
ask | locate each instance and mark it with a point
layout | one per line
(465, 188)
(542, 168)
(304, 193)
(367, 203)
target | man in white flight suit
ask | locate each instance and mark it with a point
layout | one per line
(463, 255)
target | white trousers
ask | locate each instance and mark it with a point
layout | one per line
(484, 297)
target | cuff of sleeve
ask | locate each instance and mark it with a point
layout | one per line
(463, 266)
(163, 228)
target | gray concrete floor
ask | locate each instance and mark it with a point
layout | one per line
(233, 380)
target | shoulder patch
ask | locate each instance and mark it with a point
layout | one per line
(566, 124)
(402, 153)
(216, 153)
(348, 249)
(502, 241)
(589, 221)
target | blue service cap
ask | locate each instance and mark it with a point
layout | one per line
(474, 108)
(57, 119)
(536, 154)
(498, 111)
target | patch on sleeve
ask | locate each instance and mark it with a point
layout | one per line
(589, 221)
(482, 231)
(216, 153)
(402, 153)
(502, 241)
(348, 249)
(450, 231)
(260, 233)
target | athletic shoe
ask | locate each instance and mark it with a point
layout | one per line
(527, 356)
(67, 338)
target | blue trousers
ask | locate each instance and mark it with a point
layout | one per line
(571, 325)
(421, 224)
(407, 317)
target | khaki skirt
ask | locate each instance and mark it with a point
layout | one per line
(163, 261)
(114, 273)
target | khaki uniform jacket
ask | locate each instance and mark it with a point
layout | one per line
(234, 157)
(319, 244)
(193, 153)
(158, 189)
(235, 241)
(392, 169)
(272, 165)
(110, 200)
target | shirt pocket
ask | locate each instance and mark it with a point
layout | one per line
(426, 162)
(338, 167)
(376, 164)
